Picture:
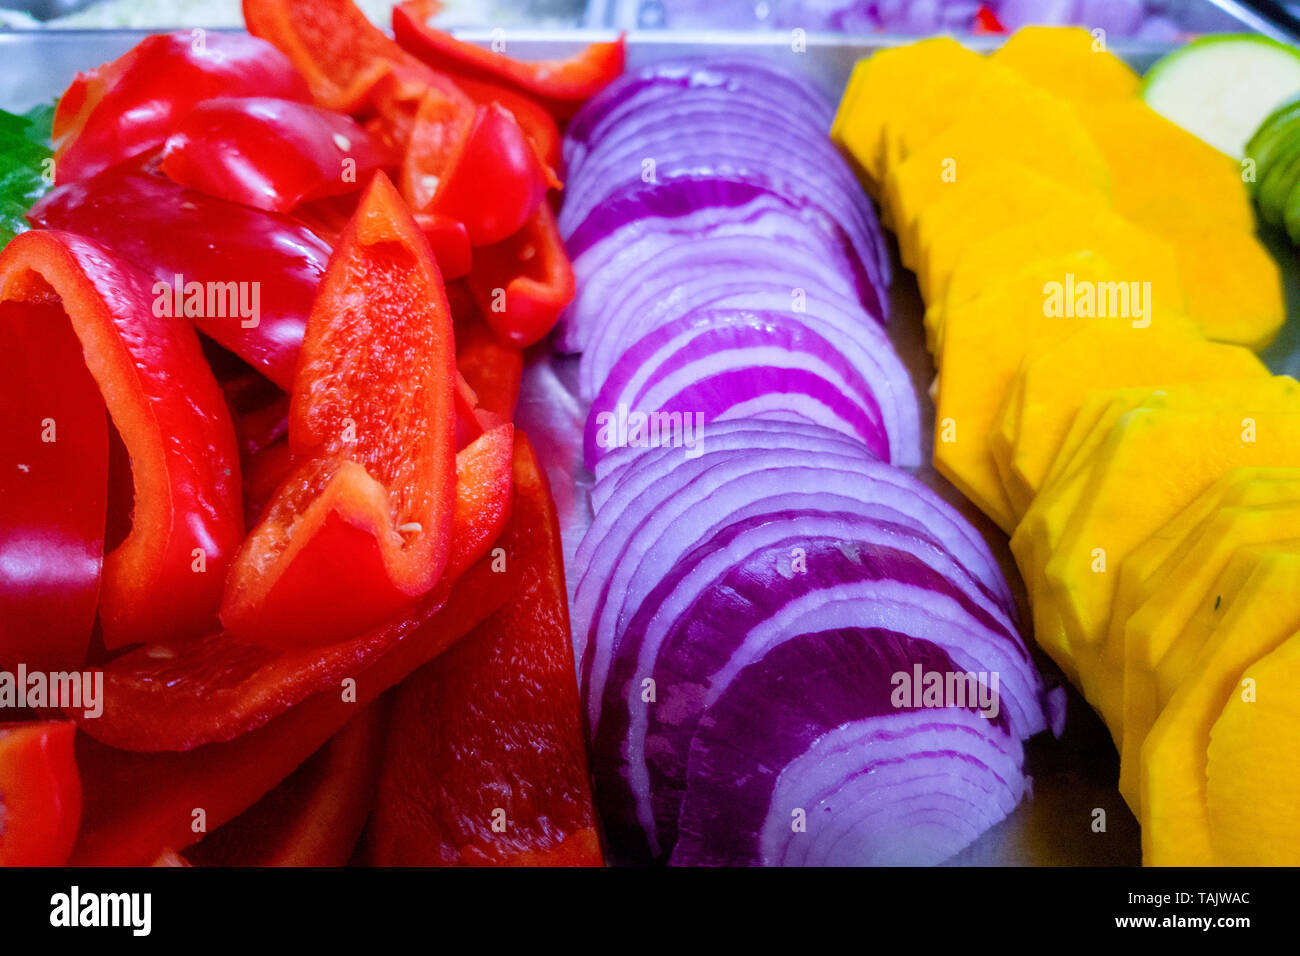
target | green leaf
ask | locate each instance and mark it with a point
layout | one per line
(25, 157)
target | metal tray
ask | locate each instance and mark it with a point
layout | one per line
(38, 64)
(1073, 777)
(1190, 16)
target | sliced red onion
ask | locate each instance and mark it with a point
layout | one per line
(747, 125)
(1014, 14)
(692, 203)
(808, 742)
(630, 473)
(633, 560)
(687, 288)
(672, 78)
(614, 474)
(691, 347)
(615, 274)
(741, 592)
(737, 282)
(735, 161)
(720, 128)
(730, 367)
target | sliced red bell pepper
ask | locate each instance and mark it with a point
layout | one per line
(560, 85)
(506, 694)
(164, 581)
(522, 285)
(493, 370)
(362, 526)
(264, 471)
(470, 161)
(270, 264)
(327, 217)
(449, 241)
(475, 166)
(269, 153)
(258, 407)
(217, 688)
(53, 489)
(138, 804)
(40, 793)
(986, 21)
(536, 122)
(131, 105)
(349, 63)
(314, 817)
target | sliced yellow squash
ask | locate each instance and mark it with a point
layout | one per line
(1252, 766)
(881, 89)
(1069, 62)
(1039, 130)
(1054, 382)
(1254, 617)
(1156, 460)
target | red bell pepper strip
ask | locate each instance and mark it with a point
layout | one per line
(492, 370)
(256, 272)
(270, 154)
(316, 814)
(560, 85)
(217, 688)
(53, 490)
(361, 528)
(131, 105)
(506, 694)
(138, 804)
(522, 285)
(264, 471)
(164, 581)
(449, 241)
(536, 122)
(40, 793)
(471, 158)
(475, 166)
(349, 63)
(259, 409)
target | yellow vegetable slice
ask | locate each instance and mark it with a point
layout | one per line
(1253, 619)
(1252, 766)
(880, 90)
(1158, 458)
(1173, 651)
(1002, 446)
(985, 341)
(1047, 517)
(1047, 135)
(1164, 645)
(1256, 512)
(1232, 284)
(1030, 272)
(1137, 142)
(993, 196)
(1136, 255)
(1069, 62)
(936, 101)
(1054, 382)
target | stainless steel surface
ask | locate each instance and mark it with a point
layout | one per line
(1074, 777)
(38, 64)
(1190, 16)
